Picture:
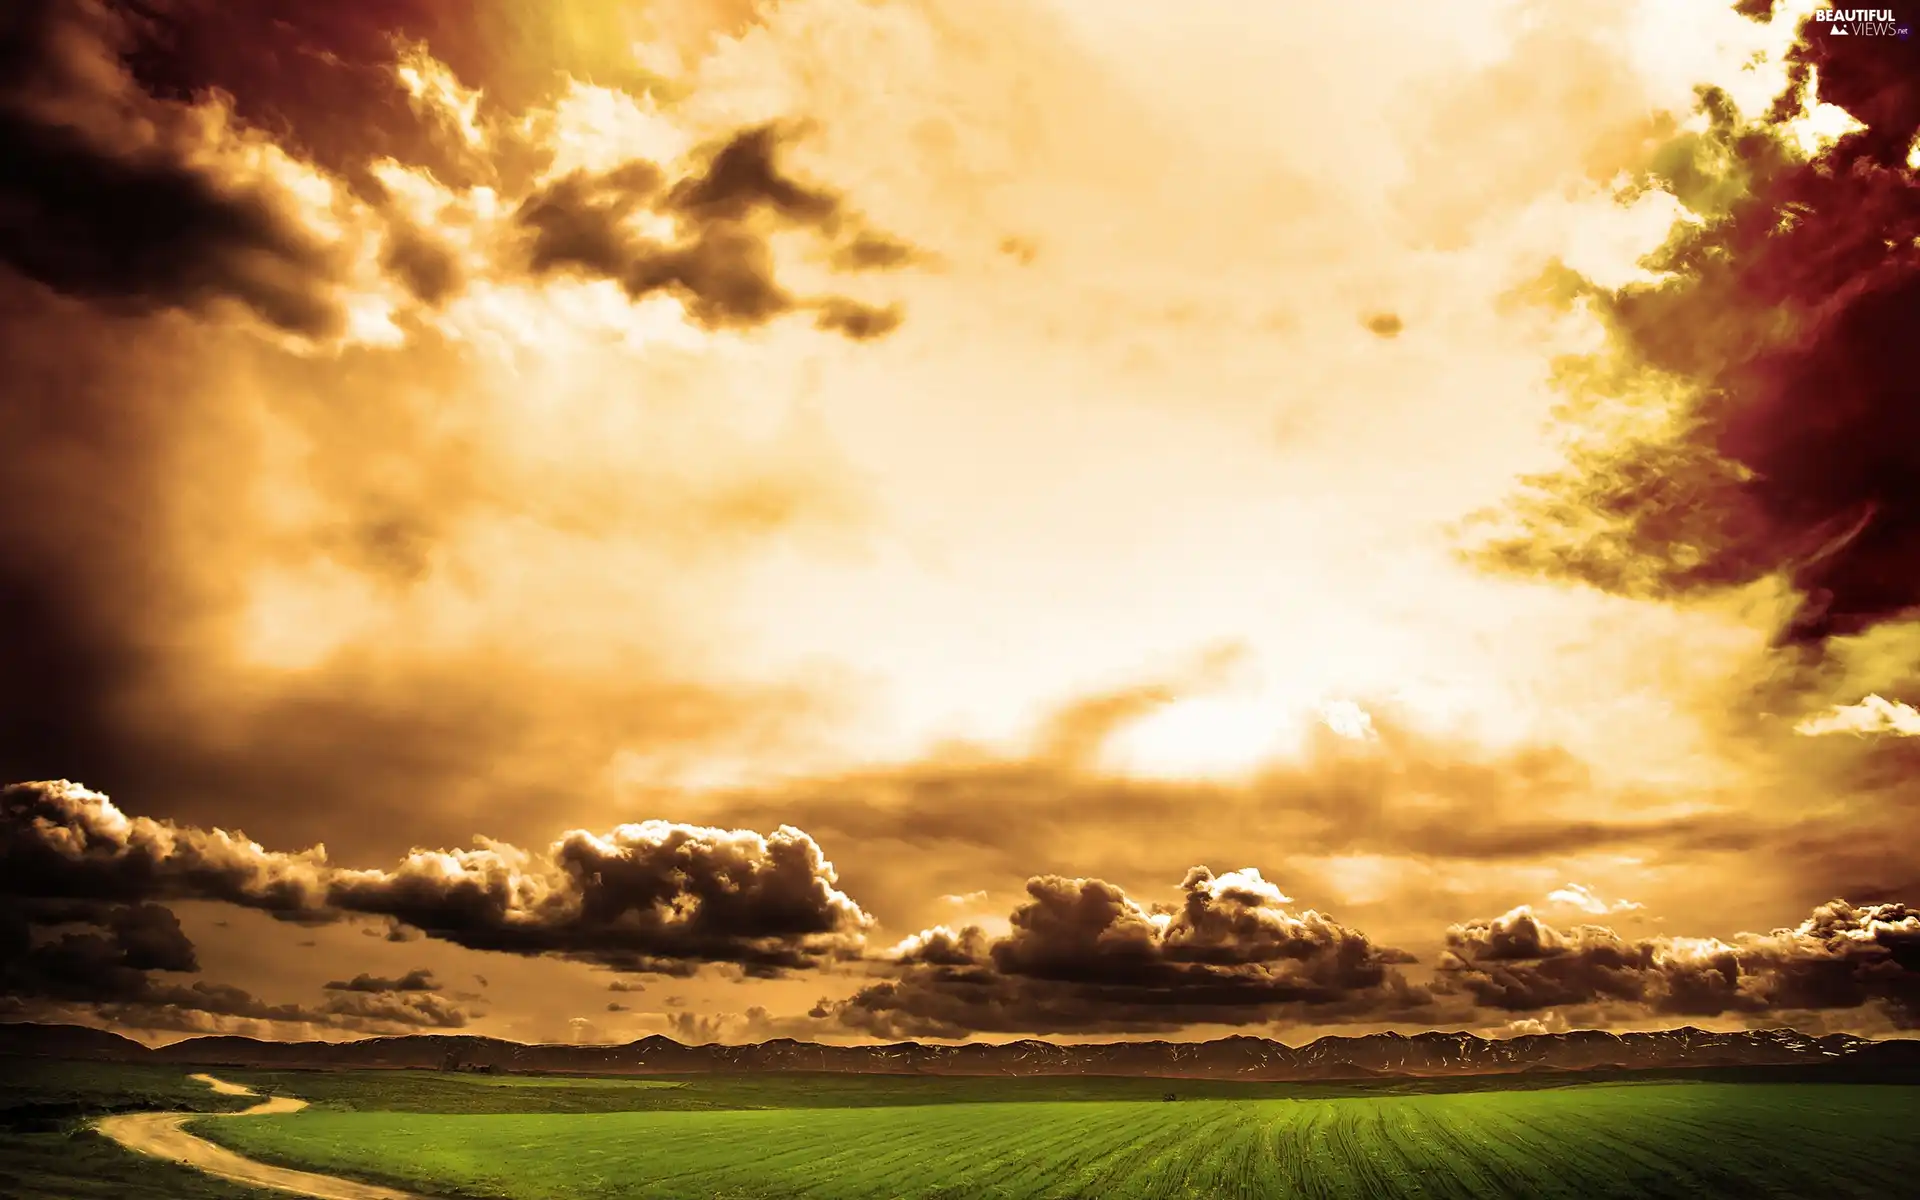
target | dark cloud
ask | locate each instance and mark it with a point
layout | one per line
(112, 960)
(321, 79)
(133, 202)
(626, 985)
(580, 219)
(88, 951)
(719, 263)
(1083, 956)
(869, 250)
(614, 1006)
(60, 840)
(417, 980)
(743, 177)
(1385, 324)
(646, 897)
(756, 1024)
(1774, 360)
(406, 1009)
(861, 322)
(427, 268)
(125, 184)
(1843, 956)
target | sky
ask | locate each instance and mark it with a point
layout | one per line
(866, 519)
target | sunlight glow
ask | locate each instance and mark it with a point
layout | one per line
(1207, 737)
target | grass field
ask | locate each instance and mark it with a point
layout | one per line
(989, 1138)
(845, 1137)
(47, 1153)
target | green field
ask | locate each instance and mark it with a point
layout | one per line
(1015, 1138)
(849, 1137)
(47, 1153)
(571, 1082)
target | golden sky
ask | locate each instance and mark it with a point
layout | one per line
(957, 517)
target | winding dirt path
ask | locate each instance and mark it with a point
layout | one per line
(163, 1136)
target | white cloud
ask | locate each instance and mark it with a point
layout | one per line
(1874, 714)
(1582, 897)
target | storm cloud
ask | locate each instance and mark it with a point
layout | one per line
(420, 980)
(653, 896)
(1768, 366)
(138, 203)
(131, 963)
(1083, 956)
(1842, 957)
(719, 262)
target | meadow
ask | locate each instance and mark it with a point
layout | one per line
(849, 1138)
(48, 1153)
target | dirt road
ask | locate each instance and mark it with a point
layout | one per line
(161, 1135)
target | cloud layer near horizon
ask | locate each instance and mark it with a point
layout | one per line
(653, 896)
(1081, 956)
(85, 888)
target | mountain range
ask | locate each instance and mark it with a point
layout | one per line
(1241, 1057)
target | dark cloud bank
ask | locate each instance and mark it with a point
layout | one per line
(83, 920)
(648, 897)
(83, 888)
(137, 198)
(1083, 957)
(1783, 336)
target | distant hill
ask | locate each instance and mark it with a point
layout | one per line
(68, 1041)
(1426, 1054)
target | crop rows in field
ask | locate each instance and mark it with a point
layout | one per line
(1699, 1140)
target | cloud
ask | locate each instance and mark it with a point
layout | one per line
(418, 980)
(406, 1009)
(142, 201)
(1083, 956)
(1749, 417)
(719, 262)
(1843, 956)
(89, 952)
(1874, 714)
(139, 203)
(860, 322)
(61, 840)
(112, 961)
(240, 240)
(989, 819)
(756, 1024)
(583, 1032)
(653, 896)
(1544, 1025)
(1577, 895)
